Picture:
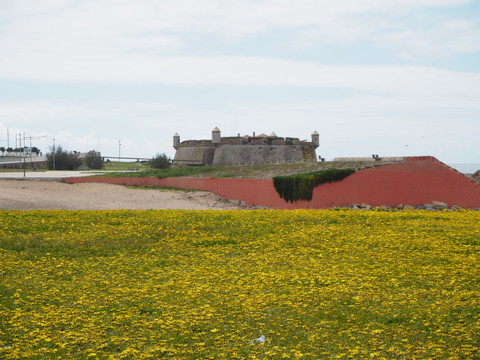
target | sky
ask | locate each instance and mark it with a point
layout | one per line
(394, 78)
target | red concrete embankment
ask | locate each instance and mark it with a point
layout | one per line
(415, 181)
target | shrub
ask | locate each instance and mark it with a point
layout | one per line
(94, 160)
(35, 150)
(160, 161)
(300, 186)
(60, 159)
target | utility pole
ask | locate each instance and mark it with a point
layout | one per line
(53, 153)
(119, 145)
(32, 138)
(24, 155)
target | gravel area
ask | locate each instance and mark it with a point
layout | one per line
(51, 195)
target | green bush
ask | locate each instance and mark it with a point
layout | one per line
(94, 160)
(300, 186)
(160, 161)
(60, 159)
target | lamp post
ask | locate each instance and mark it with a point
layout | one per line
(119, 145)
(24, 159)
(53, 154)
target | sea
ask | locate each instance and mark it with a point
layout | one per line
(466, 168)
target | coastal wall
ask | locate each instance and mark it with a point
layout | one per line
(414, 181)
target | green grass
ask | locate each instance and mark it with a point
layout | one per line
(265, 171)
(125, 166)
(169, 284)
(109, 166)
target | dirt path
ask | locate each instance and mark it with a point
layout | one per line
(50, 195)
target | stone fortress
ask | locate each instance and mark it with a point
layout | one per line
(246, 150)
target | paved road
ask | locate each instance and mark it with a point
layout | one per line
(46, 175)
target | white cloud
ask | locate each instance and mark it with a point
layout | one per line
(159, 42)
(241, 71)
(168, 26)
(461, 35)
(406, 56)
(444, 38)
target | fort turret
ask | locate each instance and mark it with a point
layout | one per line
(216, 135)
(176, 140)
(316, 139)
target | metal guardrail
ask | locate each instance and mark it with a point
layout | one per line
(126, 158)
(22, 159)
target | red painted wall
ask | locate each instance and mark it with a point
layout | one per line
(415, 181)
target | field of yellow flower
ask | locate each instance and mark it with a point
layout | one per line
(169, 284)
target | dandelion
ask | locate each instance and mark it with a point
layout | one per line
(172, 284)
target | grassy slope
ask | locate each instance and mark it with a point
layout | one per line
(265, 171)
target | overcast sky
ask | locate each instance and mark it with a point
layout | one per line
(396, 77)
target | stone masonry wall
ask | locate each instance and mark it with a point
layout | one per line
(257, 154)
(194, 155)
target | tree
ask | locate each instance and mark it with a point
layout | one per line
(94, 160)
(160, 161)
(35, 150)
(60, 159)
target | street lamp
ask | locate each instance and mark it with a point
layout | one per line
(24, 159)
(53, 153)
(119, 145)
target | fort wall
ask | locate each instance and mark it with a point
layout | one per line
(194, 154)
(260, 154)
(263, 149)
